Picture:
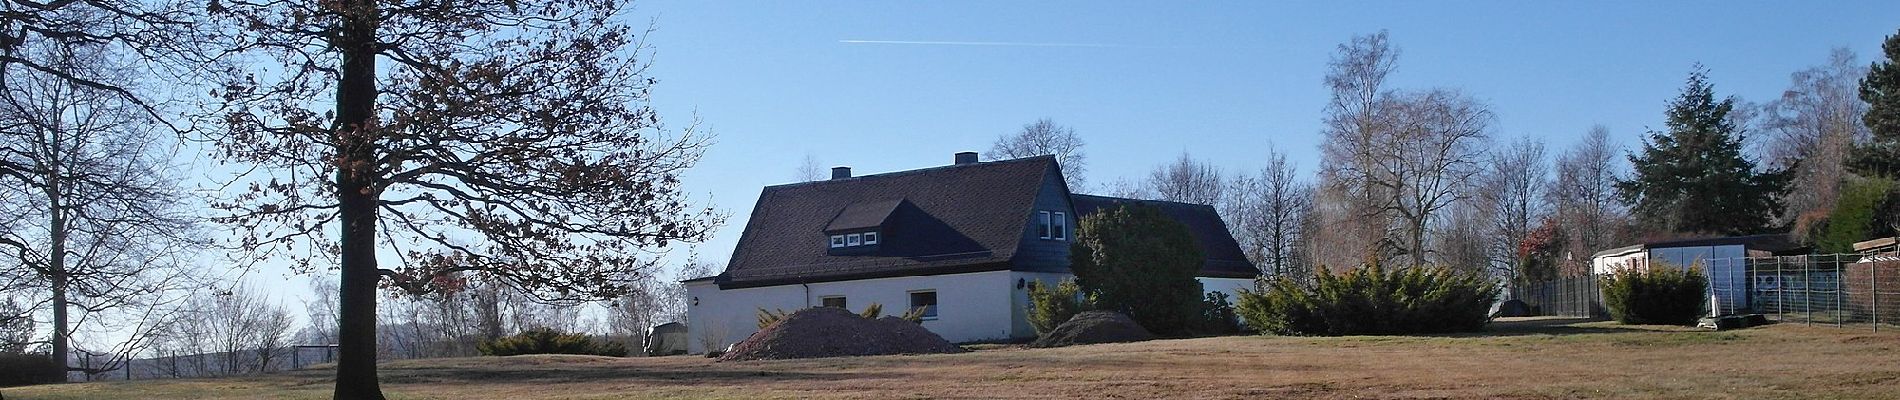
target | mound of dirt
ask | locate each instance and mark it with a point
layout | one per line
(1091, 327)
(834, 332)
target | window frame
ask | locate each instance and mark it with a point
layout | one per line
(931, 311)
(837, 241)
(1043, 218)
(843, 302)
(870, 238)
(853, 240)
(1062, 226)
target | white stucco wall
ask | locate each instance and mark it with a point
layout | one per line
(970, 307)
(1608, 264)
(981, 306)
(1230, 286)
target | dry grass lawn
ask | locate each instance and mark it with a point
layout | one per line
(1534, 359)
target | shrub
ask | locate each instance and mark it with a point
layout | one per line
(17, 369)
(1855, 216)
(550, 341)
(1135, 260)
(1217, 315)
(1050, 306)
(1371, 301)
(1662, 294)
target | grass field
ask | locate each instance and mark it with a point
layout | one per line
(1537, 359)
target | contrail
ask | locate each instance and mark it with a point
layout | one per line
(946, 43)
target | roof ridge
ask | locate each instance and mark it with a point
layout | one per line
(908, 172)
(1141, 200)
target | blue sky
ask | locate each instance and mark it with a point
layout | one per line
(1223, 81)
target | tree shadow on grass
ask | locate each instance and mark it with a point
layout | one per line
(619, 372)
(1560, 326)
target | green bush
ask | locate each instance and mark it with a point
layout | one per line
(28, 369)
(550, 341)
(1217, 315)
(1371, 301)
(1856, 215)
(1139, 262)
(1662, 295)
(1050, 306)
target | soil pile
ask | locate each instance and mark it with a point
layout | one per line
(834, 332)
(1091, 327)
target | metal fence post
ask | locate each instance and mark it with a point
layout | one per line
(1873, 292)
(1807, 286)
(1838, 320)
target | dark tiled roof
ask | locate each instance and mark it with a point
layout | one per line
(950, 219)
(1224, 258)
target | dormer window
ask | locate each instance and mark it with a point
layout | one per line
(859, 228)
(855, 240)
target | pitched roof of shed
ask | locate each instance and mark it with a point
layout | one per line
(1224, 258)
(956, 218)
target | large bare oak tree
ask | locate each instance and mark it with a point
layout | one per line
(500, 140)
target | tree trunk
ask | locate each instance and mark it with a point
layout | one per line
(56, 257)
(357, 195)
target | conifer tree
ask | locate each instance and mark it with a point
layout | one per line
(1881, 90)
(1693, 176)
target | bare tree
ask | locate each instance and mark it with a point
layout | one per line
(1399, 156)
(159, 32)
(809, 170)
(108, 240)
(505, 139)
(1584, 194)
(1811, 129)
(1127, 189)
(1511, 195)
(1463, 241)
(1042, 138)
(1187, 180)
(320, 312)
(245, 329)
(1266, 212)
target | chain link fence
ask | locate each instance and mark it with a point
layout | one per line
(1842, 290)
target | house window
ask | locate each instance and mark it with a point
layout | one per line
(837, 241)
(832, 301)
(853, 239)
(870, 238)
(1062, 226)
(1044, 226)
(926, 301)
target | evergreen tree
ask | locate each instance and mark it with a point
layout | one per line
(1693, 177)
(1881, 90)
(1135, 260)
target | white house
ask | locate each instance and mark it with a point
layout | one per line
(962, 241)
